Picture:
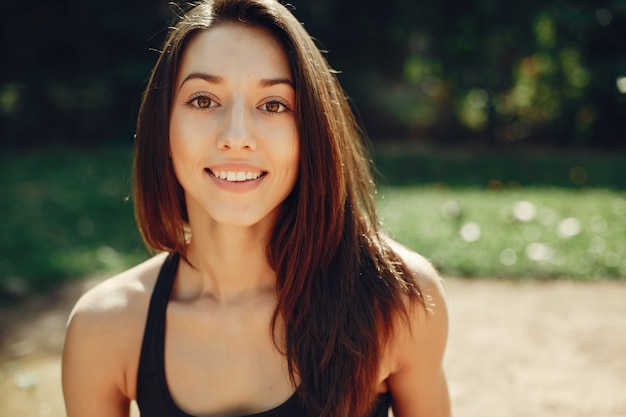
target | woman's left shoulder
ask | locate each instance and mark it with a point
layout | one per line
(422, 270)
(427, 325)
(416, 348)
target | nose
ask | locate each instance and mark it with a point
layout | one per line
(236, 133)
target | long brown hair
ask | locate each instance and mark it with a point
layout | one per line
(339, 286)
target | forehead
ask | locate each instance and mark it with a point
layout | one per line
(233, 49)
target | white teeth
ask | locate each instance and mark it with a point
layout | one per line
(236, 176)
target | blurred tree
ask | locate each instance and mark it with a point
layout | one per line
(484, 71)
(72, 70)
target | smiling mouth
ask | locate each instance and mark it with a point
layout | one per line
(236, 176)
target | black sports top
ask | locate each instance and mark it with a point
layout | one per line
(153, 395)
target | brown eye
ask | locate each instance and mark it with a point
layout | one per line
(203, 102)
(273, 107)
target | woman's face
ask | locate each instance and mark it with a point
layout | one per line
(233, 136)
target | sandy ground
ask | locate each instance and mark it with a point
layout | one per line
(515, 349)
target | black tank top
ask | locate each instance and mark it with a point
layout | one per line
(153, 396)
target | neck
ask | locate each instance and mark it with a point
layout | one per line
(228, 263)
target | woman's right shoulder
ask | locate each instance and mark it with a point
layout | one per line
(121, 297)
(114, 311)
(103, 340)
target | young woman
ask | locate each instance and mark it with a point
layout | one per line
(275, 294)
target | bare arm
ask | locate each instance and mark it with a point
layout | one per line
(92, 377)
(418, 383)
(101, 348)
(103, 343)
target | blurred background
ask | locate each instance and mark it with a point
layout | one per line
(498, 130)
(547, 73)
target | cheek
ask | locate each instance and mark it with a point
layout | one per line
(175, 136)
(290, 149)
(182, 150)
(183, 140)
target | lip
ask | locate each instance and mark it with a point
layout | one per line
(234, 166)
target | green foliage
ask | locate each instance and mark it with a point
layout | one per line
(485, 71)
(65, 215)
(73, 71)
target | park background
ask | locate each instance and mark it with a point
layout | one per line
(498, 130)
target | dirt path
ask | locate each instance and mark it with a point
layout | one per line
(516, 349)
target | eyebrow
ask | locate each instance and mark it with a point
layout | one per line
(275, 81)
(214, 79)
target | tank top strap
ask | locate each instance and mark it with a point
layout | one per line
(152, 348)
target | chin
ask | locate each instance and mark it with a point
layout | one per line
(244, 220)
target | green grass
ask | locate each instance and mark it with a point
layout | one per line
(66, 214)
(520, 233)
(578, 230)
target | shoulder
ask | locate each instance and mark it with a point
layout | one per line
(417, 346)
(117, 297)
(427, 327)
(105, 328)
(423, 272)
